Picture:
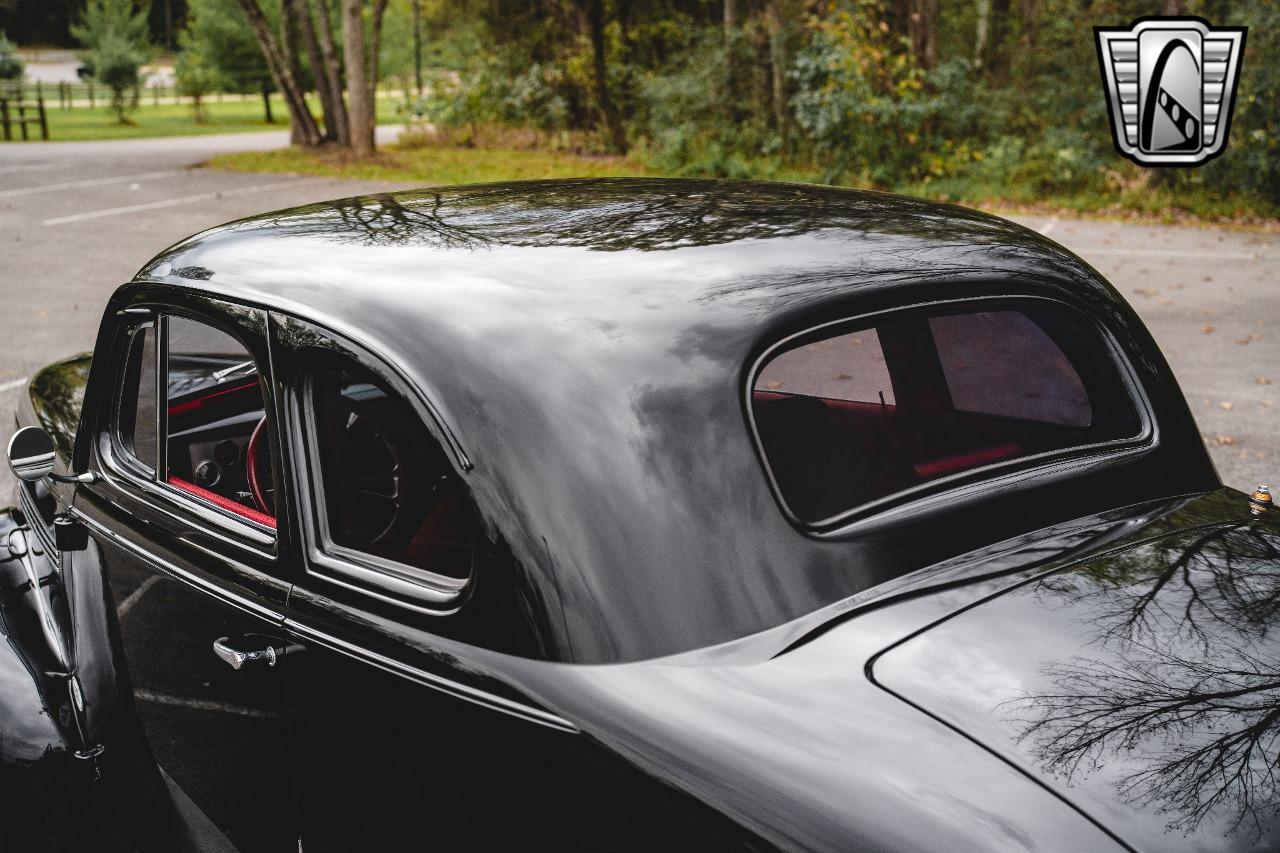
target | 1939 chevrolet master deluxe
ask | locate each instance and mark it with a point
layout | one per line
(629, 515)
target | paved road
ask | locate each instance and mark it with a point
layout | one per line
(76, 219)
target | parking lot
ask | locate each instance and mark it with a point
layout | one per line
(77, 219)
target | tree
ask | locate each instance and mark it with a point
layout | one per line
(612, 119)
(117, 40)
(306, 25)
(10, 65)
(361, 52)
(196, 75)
(228, 49)
(327, 70)
(303, 129)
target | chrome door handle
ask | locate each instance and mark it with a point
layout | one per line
(237, 659)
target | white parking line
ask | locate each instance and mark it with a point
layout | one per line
(1176, 253)
(11, 384)
(1048, 227)
(89, 182)
(132, 598)
(27, 167)
(168, 202)
(202, 705)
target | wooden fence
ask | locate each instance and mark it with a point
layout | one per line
(67, 96)
(20, 111)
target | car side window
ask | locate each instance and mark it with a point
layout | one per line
(192, 417)
(386, 495)
(217, 446)
(850, 417)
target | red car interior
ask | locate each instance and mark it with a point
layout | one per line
(223, 502)
(829, 455)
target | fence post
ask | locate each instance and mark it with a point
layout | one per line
(91, 101)
(4, 118)
(44, 119)
(155, 95)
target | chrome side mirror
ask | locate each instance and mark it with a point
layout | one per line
(31, 458)
(31, 454)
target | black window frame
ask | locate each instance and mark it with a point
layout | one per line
(406, 586)
(953, 486)
(117, 460)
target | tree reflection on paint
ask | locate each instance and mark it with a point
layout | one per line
(1187, 691)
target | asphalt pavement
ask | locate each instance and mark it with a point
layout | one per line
(79, 218)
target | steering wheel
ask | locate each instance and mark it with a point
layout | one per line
(375, 478)
(257, 469)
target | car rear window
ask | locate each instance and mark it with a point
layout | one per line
(852, 416)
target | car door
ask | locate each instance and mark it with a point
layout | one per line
(184, 512)
(387, 741)
(408, 730)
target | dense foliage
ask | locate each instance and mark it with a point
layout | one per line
(981, 97)
(967, 99)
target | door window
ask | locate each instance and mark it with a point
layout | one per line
(192, 417)
(387, 495)
(845, 419)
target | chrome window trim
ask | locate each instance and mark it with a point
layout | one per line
(117, 461)
(419, 590)
(217, 591)
(949, 488)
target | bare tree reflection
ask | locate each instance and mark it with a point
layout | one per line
(1184, 692)
(621, 215)
(1184, 586)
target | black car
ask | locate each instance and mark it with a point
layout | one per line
(629, 515)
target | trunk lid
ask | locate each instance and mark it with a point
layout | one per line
(1141, 684)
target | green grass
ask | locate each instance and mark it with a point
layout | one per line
(435, 165)
(148, 120)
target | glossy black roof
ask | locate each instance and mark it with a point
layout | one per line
(587, 341)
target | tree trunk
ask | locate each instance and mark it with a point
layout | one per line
(612, 121)
(374, 57)
(778, 64)
(997, 54)
(730, 18)
(266, 102)
(981, 32)
(315, 58)
(922, 30)
(360, 110)
(332, 70)
(289, 48)
(302, 125)
(1030, 15)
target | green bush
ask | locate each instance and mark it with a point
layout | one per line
(10, 65)
(117, 43)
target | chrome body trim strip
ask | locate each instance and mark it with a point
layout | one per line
(241, 603)
(460, 691)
